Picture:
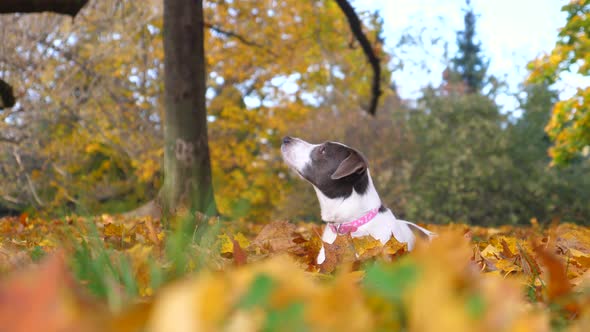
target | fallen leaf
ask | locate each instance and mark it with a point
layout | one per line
(227, 245)
(240, 257)
(44, 299)
(581, 258)
(367, 247)
(278, 236)
(557, 283)
(393, 248)
(341, 251)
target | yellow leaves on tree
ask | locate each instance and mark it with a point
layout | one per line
(569, 126)
(95, 116)
(286, 55)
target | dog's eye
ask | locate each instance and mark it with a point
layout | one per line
(323, 150)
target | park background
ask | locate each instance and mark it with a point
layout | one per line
(481, 128)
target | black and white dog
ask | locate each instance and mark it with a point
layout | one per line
(348, 199)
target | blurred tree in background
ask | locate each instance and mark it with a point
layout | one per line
(459, 172)
(469, 65)
(536, 189)
(86, 133)
(471, 163)
(86, 130)
(459, 169)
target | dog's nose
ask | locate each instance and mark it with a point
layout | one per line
(287, 139)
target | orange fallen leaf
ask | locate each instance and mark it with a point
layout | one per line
(23, 218)
(558, 284)
(44, 299)
(341, 251)
(152, 233)
(240, 257)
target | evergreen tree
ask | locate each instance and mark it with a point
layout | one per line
(538, 190)
(459, 168)
(469, 64)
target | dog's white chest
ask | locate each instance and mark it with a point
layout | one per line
(382, 228)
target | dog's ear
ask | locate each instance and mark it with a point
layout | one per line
(354, 163)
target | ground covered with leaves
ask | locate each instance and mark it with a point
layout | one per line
(112, 273)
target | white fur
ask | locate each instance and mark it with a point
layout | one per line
(341, 210)
(298, 155)
(382, 227)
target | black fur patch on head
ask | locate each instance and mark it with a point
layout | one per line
(325, 160)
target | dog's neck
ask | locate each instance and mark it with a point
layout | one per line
(341, 210)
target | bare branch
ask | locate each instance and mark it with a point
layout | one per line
(357, 30)
(6, 95)
(12, 200)
(67, 7)
(29, 181)
(240, 38)
(10, 140)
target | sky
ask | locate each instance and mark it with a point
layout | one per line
(512, 32)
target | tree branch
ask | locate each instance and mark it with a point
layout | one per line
(29, 181)
(6, 95)
(12, 200)
(240, 38)
(67, 7)
(357, 30)
(10, 140)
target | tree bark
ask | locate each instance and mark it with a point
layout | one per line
(187, 166)
(68, 7)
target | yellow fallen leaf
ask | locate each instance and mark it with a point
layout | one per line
(227, 246)
(242, 240)
(581, 258)
(46, 243)
(367, 246)
(111, 229)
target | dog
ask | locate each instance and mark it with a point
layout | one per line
(348, 199)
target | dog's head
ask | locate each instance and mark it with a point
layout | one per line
(333, 168)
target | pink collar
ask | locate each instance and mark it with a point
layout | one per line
(352, 226)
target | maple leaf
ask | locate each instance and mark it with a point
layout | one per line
(228, 245)
(341, 251)
(367, 246)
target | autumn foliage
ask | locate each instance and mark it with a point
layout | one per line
(92, 138)
(251, 277)
(85, 136)
(570, 120)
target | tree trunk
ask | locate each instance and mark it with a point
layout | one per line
(187, 167)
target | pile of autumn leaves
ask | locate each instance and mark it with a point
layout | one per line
(262, 277)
